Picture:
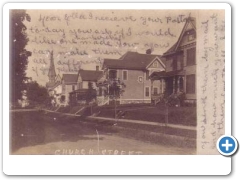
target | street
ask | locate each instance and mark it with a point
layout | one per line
(47, 134)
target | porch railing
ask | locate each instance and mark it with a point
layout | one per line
(102, 100)
(156, 98)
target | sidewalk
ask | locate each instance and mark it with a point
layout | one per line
(23, 110)
(144, 122)
(68, 114)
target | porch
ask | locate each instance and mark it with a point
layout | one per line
(80, 96)
(169, 83)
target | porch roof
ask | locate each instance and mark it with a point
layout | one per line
(81, 91)
(163, 74)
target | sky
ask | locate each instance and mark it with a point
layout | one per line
(83, 38)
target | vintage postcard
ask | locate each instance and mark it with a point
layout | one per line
(113, 81)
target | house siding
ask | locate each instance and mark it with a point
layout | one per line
(85, 85)
(188, 71)
(178, 61)
(170, 62)
(68, 89)
(135, 90)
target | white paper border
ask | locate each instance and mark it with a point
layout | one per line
(114, 165)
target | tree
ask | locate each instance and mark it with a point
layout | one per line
(37, 94)
(115, 90)
(18, 54)
(91, 93)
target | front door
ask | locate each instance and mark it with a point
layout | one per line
(169, 88)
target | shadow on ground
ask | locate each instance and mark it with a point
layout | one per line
(36, 128)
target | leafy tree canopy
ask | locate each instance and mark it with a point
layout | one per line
(18, 54)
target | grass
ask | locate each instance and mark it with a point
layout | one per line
(176, 115)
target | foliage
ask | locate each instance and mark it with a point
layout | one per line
(116, 87)
(91, 93)
(62, 99)
(175, 99)
(18, 54)
(37, 94)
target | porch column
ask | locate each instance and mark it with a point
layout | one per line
(162, 88)
(174, 84)
(178, 83)
(184, 84)
(151, 86)
(164, 85)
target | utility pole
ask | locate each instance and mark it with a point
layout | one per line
(166, 114)
(115, 105)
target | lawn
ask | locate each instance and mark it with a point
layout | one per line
(176, 115)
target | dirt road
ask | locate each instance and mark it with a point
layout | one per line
(46, 134)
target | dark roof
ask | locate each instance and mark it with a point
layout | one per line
(131, 60)
(90, 75)
(69, 78)
(156, 75)
(174, 47)
(79, 91)
(171, 49)
(82, 91)
(52, 85)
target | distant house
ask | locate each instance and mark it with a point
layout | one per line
(180, 74)
(85, 79)
(134, 69)
(54, 84)
(69, 84)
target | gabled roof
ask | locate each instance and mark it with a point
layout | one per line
(90, 75)
(55, 85)
(69, 78)
(58, 78)
(174, 48)
(131, 60)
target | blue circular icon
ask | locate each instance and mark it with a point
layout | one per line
(227, 145)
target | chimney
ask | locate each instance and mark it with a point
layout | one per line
(148, 51)
(97, 68)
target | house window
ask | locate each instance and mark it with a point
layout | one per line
(190, 84)
(147, 92)
(174, 63)
(125, 75)
(191, 35)
(140, 79)
(191, 56)
(73, 87)
(155, 91)
(155, 64)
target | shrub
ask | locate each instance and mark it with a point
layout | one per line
(176, 99)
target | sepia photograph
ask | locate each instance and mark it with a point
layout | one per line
(116, 82)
